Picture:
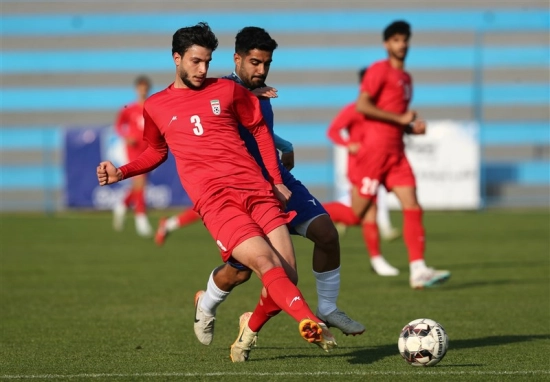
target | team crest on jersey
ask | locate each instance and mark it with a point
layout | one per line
(216, 108)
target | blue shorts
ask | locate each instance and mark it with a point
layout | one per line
(306, 205)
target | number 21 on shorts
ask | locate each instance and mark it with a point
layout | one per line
(198, 130)
(369, 186)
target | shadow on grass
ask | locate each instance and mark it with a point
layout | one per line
(371, 355)
(368, 355)
(499, 264)
(481, 283)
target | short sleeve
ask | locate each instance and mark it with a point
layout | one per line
(373, 80)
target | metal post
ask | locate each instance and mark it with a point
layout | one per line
(478, 105)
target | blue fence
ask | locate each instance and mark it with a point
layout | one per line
(277, 22)
(531, 172)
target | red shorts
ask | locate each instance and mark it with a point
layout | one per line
(375, 168)
(233, 216)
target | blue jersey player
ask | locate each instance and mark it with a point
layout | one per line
(253, 55)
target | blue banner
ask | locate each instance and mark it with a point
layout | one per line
(85, 148)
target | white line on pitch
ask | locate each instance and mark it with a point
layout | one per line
(281, 374)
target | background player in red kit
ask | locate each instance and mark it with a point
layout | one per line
(384, 98)
(129, 126)
(197, 118)
(347, 129)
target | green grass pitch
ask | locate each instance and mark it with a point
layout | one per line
(81, 302)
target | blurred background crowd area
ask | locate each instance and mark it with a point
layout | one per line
(71, 65)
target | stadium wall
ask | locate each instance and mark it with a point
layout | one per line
(73, 63)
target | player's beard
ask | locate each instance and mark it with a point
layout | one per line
(400, 54)
(187, 82)
(251, 82)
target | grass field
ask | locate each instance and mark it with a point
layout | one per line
(80, 302)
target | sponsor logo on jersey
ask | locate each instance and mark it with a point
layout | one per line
(216, 108)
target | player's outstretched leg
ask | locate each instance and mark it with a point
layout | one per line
(317, 333)
(326, 269)
(311, 329)
(173, 223)
(342, 216)
(280, 291)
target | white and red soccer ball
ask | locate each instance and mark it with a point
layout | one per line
(423, 342)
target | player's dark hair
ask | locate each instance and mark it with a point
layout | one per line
(199, 34)
(143, 80)
(250, 38)
(361, 73)
(397, 27)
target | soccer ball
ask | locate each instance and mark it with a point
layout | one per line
(423, 342)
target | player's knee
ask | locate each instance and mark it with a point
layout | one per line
(229, 277)
(242, 276)
(326, 234)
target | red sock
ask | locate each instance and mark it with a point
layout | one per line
(413, 233)
(286, 295)
(129, 198)
(187, 217)
(372, 238)
(340, 213)
(265, 309)
(139, 200)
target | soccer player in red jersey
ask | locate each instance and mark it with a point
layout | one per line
(384, 98)
(197, 118)
(129, 126)
(253, 56)
(347, 129)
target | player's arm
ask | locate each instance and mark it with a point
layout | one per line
(155, 154)
(339, 124)
(265, 92)
(365, 105)
(287, 151)
(248, 112)
(371, 87)
(417, 127)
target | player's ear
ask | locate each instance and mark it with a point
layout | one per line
(237, 59)
(177, 58)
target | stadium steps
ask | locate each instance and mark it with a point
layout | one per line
(314, 153)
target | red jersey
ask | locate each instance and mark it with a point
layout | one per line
(391, 90)
(350, 120)
(129, 124)
(201, 129)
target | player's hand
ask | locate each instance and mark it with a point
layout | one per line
(418, 127)
(288, 160)
(107, 173)
(266, 92)
(407, 118)
(282, 193)
(353, 147)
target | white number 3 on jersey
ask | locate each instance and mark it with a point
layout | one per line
(198, 130)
